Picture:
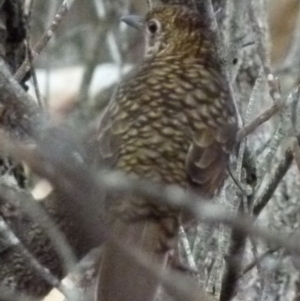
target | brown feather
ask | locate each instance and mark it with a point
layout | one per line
(171, 121)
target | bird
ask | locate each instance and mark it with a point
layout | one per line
(171, 121)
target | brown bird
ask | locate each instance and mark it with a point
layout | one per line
(171, 121)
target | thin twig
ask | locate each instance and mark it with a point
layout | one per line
(44, 162)
(200, 250)
(273, 84)
(254, 124)
(260, 258)
(276, 177)
(238, 238)
(258, 266)
(91, 63)
(63, 10)
(187, 248)
(270, 153)
(285, 129)
(296, 151)
(21, 115)
(234, 261)
(30, 58)
(266, 144)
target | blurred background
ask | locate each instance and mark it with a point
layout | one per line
(92, 49)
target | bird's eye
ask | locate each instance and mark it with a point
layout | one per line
(153, 26)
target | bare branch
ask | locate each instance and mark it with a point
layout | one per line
(276, 177)
(20, 114)
(254, 124)
(263, 53)
(9, 195)
(80, 183)
(187, 249)
(296, 151)
(9, 237)
(63, 10)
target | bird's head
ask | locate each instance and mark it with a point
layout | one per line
(170, 30)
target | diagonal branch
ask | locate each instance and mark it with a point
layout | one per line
(282, 168)
(81, 183)
(254, 124)
(63, 10)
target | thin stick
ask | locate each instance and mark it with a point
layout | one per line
(296, 151)
(187, 248)
(251, 265)
(254, 124)
(264, 55)
(63, 10)
(279, 173)
(30, 58)
(68, 176)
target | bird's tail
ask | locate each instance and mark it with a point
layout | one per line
(120, 277)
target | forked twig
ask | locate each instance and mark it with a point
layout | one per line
(40, 45)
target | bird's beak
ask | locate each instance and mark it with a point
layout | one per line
(134, 21)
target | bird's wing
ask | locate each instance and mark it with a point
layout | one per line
(212, 141)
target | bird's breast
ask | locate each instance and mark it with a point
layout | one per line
(155, 146)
